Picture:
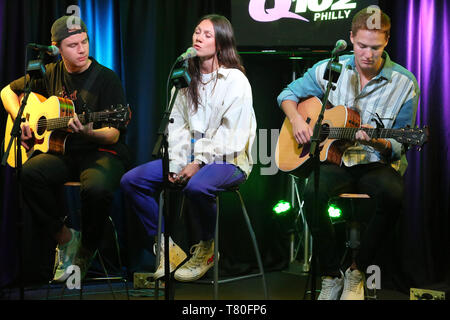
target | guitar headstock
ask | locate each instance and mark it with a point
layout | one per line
(118, 115)
(413, 136)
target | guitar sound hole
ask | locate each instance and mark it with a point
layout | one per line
(42, 125)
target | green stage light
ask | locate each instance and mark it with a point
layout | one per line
(334, 211)
(281, 208)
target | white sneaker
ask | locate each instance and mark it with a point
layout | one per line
(331, 288)
(353, 285)
(176, 257)
(201, 261)
(65, 256)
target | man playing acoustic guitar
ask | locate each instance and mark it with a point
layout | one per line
(94, 153)
(381, 91)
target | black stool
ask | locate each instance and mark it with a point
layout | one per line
(106, 276)
(216, 281)
(353, 231)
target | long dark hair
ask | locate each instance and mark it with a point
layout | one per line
(227, 54)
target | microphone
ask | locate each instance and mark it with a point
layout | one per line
(190, 53)
(334, 68)
(340, 45)
(51, 50)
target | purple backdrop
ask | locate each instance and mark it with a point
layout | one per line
(424, 25)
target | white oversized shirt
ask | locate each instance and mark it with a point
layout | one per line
(222, 129)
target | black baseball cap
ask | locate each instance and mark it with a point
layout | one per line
(67, 26)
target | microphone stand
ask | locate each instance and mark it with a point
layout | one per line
(180, 79)
(35, 69)
(334, 69)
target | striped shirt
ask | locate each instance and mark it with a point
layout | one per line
(393, 94)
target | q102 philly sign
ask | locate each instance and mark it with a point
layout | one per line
(322, 10)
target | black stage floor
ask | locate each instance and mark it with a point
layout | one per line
(281, 285)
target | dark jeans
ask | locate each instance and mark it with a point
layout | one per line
(381, 182)
(43, 177)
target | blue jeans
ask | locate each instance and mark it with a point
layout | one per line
(143, 184)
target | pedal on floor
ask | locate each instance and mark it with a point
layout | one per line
(433, 293)
(145, 281)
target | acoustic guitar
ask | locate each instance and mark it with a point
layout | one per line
(49, 117)
(338, 130)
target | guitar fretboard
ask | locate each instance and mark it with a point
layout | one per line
(349, 133)
(61, 123)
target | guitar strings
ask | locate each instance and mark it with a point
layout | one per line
(64, 121)
(349, 133)
(56, 123)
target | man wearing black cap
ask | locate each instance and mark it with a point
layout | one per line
(94, 153)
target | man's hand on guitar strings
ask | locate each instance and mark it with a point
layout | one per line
(362, 137)
(301, 130)
(382, 145)
(27, 136)
(76, 126)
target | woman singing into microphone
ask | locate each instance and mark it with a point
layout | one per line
(209, 140)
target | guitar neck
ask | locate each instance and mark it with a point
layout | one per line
(61, 123)
(374, 133)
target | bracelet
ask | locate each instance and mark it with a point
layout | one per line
(199, 162)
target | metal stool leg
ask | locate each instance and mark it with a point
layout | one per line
(105, 270)
(121, 276)
(216, 253)
(159, 236)
(255, 244)
(158, 241)
(48, 290)
(116, 241)
(216, 280)
(107, 275)
(160, 215)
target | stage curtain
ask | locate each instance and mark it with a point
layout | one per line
(421, 40)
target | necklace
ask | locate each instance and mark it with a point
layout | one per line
(213, 77)
(205, 83)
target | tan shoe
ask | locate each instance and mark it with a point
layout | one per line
(176, 257)
(353, 285)
(201, 261)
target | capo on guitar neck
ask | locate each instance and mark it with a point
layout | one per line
(378, 121)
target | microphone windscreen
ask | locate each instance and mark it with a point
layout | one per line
(54, 51)
(341, 45)
(191, 52)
